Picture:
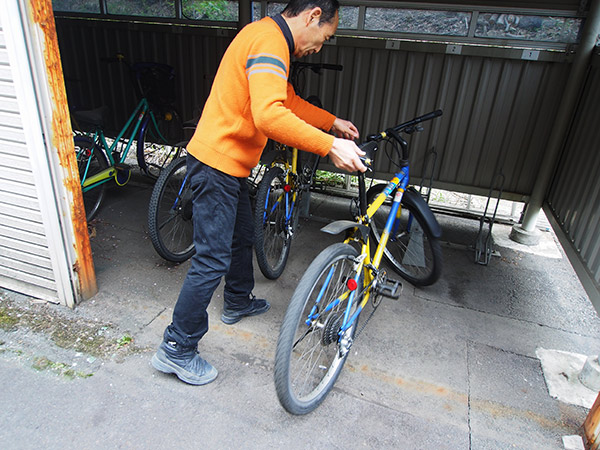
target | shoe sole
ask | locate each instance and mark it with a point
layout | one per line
(169, 368)
(232, 320)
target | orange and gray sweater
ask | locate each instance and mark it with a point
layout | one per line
(251, 100)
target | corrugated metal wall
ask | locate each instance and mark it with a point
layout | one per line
(574, 197)
(91, 82)
(25, 260)
(497, 112)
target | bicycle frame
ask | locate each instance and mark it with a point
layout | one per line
(290, 170)
(136, 119)
(366, 265)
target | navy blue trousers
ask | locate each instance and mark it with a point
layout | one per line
(223, 239)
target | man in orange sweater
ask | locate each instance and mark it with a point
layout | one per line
(250, 101)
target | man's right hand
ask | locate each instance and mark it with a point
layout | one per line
(344, 154)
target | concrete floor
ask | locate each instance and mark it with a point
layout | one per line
(451, 366)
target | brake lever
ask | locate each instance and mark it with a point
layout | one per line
(413, 129)
(369, 147)
(367, 162)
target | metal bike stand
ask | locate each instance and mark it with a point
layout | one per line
(431, 155)
(484, 246)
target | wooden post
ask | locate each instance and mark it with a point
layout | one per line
(62, 140)
(591, 426)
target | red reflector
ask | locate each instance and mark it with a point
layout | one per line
(287, 188)
(351, 284)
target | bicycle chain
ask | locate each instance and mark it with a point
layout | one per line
(358, 333)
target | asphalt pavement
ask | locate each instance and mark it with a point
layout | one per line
(450, 366)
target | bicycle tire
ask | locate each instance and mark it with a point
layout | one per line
(416, 256)
(156, 144)
(311, 353)
(170, 223)
(272, 237)
(85, 148)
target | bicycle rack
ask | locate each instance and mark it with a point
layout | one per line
(432, 154)
(484, 246)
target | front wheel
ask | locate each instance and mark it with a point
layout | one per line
(412, 250)
(91, 160)
(313, 344)
(170, 214)
(273, 224)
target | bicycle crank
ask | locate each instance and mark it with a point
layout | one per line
(387, 287)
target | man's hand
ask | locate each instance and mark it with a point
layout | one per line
(345, 155)
(344, 129)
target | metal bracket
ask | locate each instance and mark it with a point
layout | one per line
(425, 191)
(484, 246)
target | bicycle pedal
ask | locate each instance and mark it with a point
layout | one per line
(390, 289)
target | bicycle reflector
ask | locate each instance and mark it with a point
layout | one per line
(287, 188)
(351, 284)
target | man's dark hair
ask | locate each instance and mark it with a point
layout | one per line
(328, 8)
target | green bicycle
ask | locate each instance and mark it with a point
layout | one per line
(153, 125)
(321, 321)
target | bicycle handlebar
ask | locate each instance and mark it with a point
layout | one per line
(149, 79)
(119, 57)
(316, 67)
(404, 126)
(370, 146)
(416, 120)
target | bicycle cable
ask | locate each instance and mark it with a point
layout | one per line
(391, 156)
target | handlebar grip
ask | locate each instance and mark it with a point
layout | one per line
(429, 116)
(119, 57)
(416, 120)
(337, 67)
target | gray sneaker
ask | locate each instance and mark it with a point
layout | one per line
(185, 363)
(257, 306)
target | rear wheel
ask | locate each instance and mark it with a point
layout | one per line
(170, 214)
(91, 160)
(273, 226)
(312, 346)
(411, 250)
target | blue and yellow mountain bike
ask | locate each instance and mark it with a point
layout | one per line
(279, 195)
(321, 321)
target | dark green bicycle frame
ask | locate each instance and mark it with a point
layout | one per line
(99, 140)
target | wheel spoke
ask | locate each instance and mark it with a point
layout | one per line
(310, 333)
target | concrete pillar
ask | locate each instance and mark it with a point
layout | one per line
(526, 233)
